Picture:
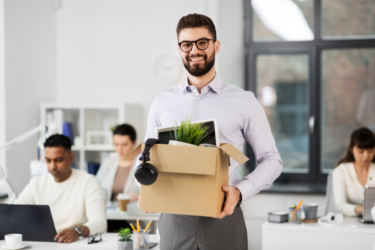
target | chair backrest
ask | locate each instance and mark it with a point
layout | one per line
(330, 201)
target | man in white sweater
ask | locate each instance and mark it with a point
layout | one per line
(75, 197)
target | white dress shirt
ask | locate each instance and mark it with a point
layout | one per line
(348, 192)
(239, 116)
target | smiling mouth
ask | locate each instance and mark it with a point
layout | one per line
(196, 60)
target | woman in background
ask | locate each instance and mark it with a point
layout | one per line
(116, 175)
(355, 170)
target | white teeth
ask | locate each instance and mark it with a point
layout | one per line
(197, 59)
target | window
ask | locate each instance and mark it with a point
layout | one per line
(282, 89)
(315, 78)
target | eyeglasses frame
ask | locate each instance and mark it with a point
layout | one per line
(91, 238)
(179, 44)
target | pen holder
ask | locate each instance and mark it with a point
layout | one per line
(294, 216)
(140, 240)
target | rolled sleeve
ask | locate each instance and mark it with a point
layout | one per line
(258, 133)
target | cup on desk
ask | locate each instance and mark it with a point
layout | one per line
(13, 240)
(311, 211)
(140, 240)
(295, 216)
(123, 201)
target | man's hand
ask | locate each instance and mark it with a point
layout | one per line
(67, 236)
(233, 196)
(358, 210)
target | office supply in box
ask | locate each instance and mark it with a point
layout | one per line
(164, 134)
(278, 217)
(189, 178)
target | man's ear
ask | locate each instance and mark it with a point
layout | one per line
(71, 157)
(217, 47)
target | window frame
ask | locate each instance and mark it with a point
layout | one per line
(314, 49)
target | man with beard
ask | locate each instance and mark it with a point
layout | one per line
(240, 117)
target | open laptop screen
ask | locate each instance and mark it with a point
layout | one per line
(34, 222)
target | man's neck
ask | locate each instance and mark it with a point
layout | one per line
(65, 177)
(201, 81)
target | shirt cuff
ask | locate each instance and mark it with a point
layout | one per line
(246, 192)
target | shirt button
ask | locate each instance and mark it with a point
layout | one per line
(198, 98)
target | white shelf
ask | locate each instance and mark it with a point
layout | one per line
(93, 117)
(93, 148)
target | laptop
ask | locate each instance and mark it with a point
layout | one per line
(34, 222)
(368, 203)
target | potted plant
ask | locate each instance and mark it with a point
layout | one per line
(125, 241)
(189, 134)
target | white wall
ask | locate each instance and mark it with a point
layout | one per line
(30, 77)
(2, 82)
(107, 50)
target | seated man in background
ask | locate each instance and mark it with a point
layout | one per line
(74, 196)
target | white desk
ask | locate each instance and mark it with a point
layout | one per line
(116, 214)
(351, 235)
(59, 246)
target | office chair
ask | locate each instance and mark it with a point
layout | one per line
(330, 200)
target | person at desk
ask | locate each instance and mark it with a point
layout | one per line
(116, 175)
(74, 196)
(240, 117)
(355, 170)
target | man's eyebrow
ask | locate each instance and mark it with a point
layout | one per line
(58, 158)
(195, 40)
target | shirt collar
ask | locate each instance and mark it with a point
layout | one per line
(215, 85)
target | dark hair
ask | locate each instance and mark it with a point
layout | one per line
(58, 140)
(196, 21)
(126, 129)
(363, 138)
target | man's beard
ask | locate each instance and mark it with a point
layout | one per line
(197, 69)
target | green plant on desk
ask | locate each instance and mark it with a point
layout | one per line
(190, 133)
(125, 234)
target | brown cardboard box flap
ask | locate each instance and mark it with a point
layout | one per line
(184, 159)
(234, 153)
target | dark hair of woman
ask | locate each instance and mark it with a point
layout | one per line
(363, 138)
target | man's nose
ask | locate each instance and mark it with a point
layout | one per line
(53, 165)
(194, 49)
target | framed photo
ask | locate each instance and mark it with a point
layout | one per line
(99, 139)
(164, 134)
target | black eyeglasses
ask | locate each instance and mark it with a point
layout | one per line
(202, 44)
(94, 238)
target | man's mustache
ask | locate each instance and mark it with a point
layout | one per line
(194, 56)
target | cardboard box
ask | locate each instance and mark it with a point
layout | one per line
(189, 179)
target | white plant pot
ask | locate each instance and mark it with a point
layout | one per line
(180, 143)
(125, 245)
(373, 214)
